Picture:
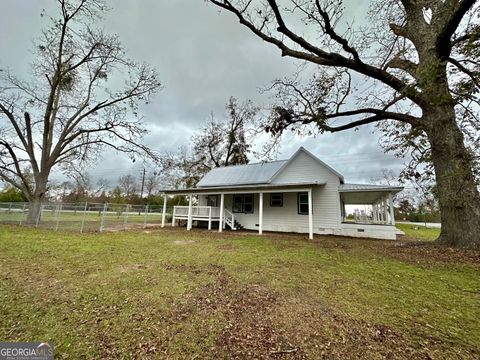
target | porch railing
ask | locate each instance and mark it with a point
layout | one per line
(229, 219)
(197, 211)
(204, 213)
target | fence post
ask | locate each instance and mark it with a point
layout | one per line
(21, 215)
(83, 218)
(103, 216)
(10, 208)
(126, 217)
(59, 208)
(145, 220)
(39, 215)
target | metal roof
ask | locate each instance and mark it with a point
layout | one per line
(250, 174)
(243, 189)
(368, 187)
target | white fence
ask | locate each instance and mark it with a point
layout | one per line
(84, 217)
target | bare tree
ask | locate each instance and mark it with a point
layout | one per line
(128, 185)
(415, 66)
(72, 107)
(218, 143)
(152, 182)
(102, 186)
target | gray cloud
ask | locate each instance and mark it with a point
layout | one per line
(203, 57)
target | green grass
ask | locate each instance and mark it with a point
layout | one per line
(177, 294)
(419, 232)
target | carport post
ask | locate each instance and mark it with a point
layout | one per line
(385, 209)
(392, 213)
(189, 221)
(310, 215)
(164, 210)
(222, 204)
(260, 214)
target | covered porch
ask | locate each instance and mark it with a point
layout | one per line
(252, 207)
(377, 202)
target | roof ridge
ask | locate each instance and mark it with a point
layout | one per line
(255, 163)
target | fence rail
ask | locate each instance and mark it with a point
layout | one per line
(84, 217)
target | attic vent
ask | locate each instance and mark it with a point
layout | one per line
(361, 230)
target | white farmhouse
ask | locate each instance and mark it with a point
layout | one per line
(301, 194)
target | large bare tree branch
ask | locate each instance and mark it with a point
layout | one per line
(317, 55)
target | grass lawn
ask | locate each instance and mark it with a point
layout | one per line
(169, 293)
(419, 232)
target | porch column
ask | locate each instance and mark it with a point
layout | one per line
(222, 205)
(310, 215)
(392, 213)
(209, 218)
(380, 212)
(189, 221)
(164, 210)
(374, 213)
(385, 209)
(260, 214)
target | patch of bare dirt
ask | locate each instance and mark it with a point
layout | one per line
(247, 310)
(415, 252)
(250, 321)
(428, 252)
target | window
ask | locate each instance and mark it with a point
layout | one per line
(276, 200)
(248, 204)
(237, 203)
(243, 204)
(303, 203)
(212, 200)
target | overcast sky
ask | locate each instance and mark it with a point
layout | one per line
(203, 57)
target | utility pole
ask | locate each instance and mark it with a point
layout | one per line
(143, 184)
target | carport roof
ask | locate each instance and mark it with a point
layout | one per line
(368, 187)
(364, 194)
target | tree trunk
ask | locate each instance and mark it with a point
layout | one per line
(457, 190)
(36, 201)
(34, 209)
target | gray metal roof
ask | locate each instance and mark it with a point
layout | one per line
(258, 173)
(368, 187)
(244, 189)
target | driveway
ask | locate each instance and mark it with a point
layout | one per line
(429, 224)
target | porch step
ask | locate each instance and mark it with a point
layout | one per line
(238, 226)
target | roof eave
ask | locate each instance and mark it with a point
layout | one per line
(256, 187)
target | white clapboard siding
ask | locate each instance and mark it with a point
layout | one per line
(303, 168)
